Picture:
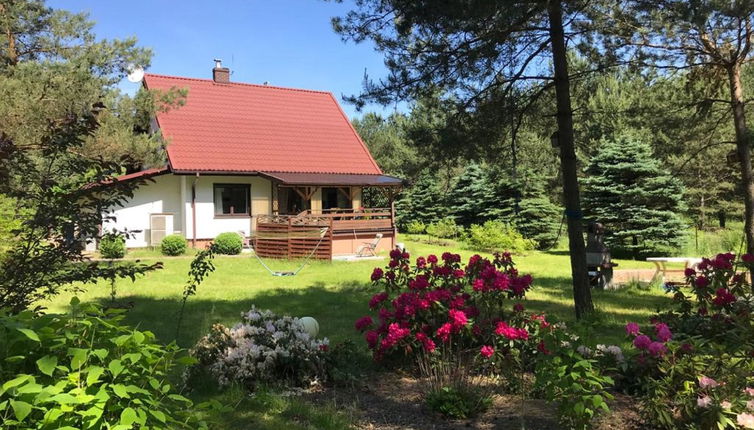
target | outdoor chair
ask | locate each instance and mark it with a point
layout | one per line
(245, 240)
(368, 248)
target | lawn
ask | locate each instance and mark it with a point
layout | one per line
(336, 294)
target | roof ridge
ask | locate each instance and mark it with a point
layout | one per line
(275, 87)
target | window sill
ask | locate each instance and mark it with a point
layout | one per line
(246, 216)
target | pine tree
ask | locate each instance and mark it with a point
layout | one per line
(638, 201)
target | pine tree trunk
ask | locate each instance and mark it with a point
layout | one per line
(582, 294)
(744, 152)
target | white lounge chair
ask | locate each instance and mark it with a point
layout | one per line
(368, 248)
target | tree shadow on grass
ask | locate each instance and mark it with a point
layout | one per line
(614, 307)
(335, 308)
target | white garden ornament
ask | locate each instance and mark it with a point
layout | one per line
(310, 325)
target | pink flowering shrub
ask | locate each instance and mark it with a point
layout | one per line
(438, 301)
(460, 321)
(694, 364)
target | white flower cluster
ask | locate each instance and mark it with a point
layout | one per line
(602, 351)
(266, 347)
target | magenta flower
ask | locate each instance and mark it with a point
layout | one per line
(457, 318)
(487, 351)
(642, 341)
(701, 282)
(443, 333)
(363, 323)
(663, 332)
(632, 329)
(377, 299)
(377, 274)
(657, 349)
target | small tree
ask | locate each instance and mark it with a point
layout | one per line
(638, 202)
(469, 196)
(423, 202)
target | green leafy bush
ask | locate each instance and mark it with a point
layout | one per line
(446, 228)
(174, 244)
(228, 243)
(416, 227)
(87, 370)
(456, 403)
(112, 245)
(496, 236)
(576, 383)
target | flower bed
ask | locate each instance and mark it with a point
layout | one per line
(695, 365)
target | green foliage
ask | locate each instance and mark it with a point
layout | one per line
(386, 140)
(10, 221)
(423, 202)
(228, 243)
(576, 384)
(458, 403)
(496, 236)
(416, 227)
(112, 245)
(471, 196)
(538, 219)
(173, 244)
(445, 228)
(87, 370)
(637, 200)
(54, 77)
(201, 266)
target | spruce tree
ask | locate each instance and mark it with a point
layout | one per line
(469, 198)
(638, 201)
(423, 202)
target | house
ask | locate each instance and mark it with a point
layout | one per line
(281, 166)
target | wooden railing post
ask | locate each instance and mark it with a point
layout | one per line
(392, 223)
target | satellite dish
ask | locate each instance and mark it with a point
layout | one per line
(135, 74)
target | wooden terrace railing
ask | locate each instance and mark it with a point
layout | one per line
(296, 236)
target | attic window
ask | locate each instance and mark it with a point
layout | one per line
(232, 199)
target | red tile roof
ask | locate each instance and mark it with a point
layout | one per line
(240, 127)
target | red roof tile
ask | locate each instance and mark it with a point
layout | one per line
(240, 127)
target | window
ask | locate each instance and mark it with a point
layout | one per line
(335, 198)
(232, 199)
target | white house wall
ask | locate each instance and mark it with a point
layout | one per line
(208, 226)
(163, 196)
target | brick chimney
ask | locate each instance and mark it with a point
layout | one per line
(220, 74)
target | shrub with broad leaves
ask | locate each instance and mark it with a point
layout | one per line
(495, 236)
(228, 243)
(461, 322)
(87, 370)
(262, 348)
(173, 244)
(112, 245)
(694, 365)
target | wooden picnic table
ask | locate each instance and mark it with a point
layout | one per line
(661, 264)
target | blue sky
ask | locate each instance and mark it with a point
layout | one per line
(286, 42)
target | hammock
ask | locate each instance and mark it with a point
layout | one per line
(322, 234)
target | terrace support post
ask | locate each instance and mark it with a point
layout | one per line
(275, 200)
(193, 211)
(392, 223)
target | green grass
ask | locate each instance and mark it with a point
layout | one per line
(336, 294)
